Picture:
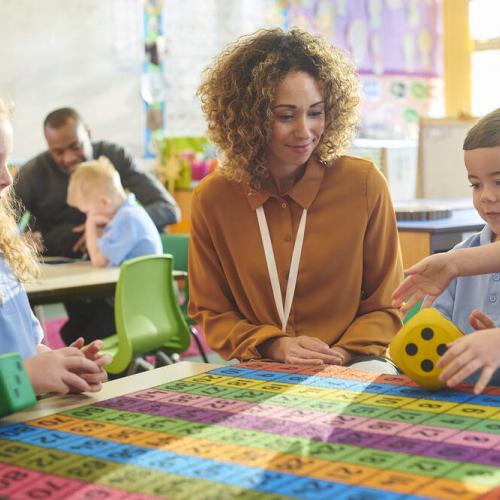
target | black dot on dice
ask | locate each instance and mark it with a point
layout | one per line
(427, 365)
(441, 349)
(427, 333)
(411, 349)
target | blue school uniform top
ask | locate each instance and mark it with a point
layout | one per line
(20, 331)
(472, 292)
(131, 233)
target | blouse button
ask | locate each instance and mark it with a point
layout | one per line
(492, 298)
(496, 277)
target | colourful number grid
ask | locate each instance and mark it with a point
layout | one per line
(374, 442)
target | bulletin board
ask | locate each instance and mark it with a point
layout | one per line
(400, 82)
(84, 54)
(441, 171)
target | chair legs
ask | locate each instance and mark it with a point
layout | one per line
(196, 338)
(138, 365)
(164, 359)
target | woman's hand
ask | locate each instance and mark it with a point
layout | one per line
(303, 350)
(480, 321)
(63, 370)
(428, 278)
(345, 355)
(476, 351)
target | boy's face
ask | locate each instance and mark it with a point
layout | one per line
(483, 168)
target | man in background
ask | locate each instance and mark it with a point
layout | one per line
(41, 186)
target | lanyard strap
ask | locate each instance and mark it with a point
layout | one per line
(283, 312)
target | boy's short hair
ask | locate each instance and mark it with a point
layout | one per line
(485, 133)
(94, 177)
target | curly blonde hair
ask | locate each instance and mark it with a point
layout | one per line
(238, 89)
(20, 253)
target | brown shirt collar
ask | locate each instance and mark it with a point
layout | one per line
(303, 192)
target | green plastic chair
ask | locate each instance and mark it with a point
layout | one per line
(177, 244)
(24, 221)
(412, 311)
(147, 315)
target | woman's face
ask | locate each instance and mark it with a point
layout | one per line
(5, 152)
(298, 122)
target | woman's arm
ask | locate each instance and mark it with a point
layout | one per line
(377, 321)
(210, 299)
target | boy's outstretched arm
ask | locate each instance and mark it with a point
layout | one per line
(426, 279)
(430, 277)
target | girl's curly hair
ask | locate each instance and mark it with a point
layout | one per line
(20, 253)
(238, 89)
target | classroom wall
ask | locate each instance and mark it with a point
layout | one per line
(192, 42)
(396, 46)
(86, 54)
(90, 54)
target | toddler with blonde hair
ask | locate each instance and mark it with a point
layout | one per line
(116, 228)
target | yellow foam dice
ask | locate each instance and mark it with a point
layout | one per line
(417, 347)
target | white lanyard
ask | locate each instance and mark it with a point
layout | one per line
(283, 312)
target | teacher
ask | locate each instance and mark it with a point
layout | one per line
(294, 249)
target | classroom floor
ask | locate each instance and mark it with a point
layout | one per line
(55, 313)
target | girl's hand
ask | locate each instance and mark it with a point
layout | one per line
(480, 321)
(92, 352)
(476, 351)
(428, 278)
(302, 350)
(60, 371)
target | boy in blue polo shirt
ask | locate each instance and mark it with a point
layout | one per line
(457, 283)
(116, 228)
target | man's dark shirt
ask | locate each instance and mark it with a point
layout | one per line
(42, 186)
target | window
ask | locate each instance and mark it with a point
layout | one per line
(485, 61)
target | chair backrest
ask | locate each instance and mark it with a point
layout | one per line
(146, 311)
(177, 244)
(412, 311)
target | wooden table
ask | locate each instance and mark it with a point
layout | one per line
(78, 279)
(419, 239)
(111, 389)
(248, 431)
